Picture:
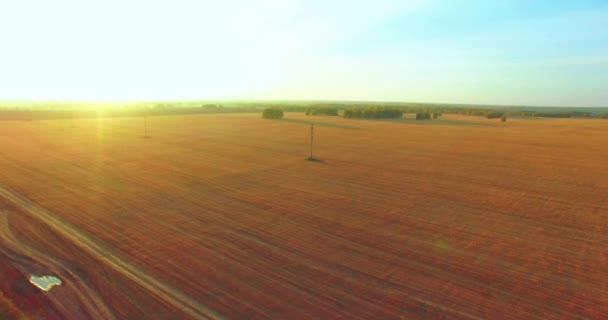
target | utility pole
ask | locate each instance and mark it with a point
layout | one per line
(312, 128)
(146, 124)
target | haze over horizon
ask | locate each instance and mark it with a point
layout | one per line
(551, 53)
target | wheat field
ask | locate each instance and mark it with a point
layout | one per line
(454, 218)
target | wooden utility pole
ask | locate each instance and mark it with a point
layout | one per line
(312, 128)
(145, 125)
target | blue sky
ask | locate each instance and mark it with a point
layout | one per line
(486, 52)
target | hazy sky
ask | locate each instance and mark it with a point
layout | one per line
(504, 52)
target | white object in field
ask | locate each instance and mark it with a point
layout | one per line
(45, 283)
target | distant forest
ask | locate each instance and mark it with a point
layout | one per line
(59, 110)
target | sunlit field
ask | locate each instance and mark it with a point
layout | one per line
(455, 218)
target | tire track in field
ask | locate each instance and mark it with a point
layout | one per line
(74, 288)
(99, 250)
(315, 265)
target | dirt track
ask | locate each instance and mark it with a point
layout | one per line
(91, 306)
(76, 299)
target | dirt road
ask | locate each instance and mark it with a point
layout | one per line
(93, 306)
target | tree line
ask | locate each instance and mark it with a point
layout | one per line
(272, 113)
(372, 113)
(325, 111)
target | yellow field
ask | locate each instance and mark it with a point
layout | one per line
(456, 218)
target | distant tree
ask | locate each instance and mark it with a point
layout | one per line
(272, 113)
(327, 111)
(162, 106)
(372, 113)
(494, 114)
(425, 115)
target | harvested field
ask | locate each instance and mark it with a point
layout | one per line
(8, 311)
(455, 218)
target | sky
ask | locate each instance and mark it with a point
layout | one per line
(552, 53)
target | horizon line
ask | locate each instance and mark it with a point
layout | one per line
(128, 101)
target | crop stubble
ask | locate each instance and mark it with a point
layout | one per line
(489, 221)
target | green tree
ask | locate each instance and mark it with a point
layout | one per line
(425, 115)
(272, 113)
